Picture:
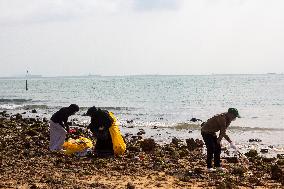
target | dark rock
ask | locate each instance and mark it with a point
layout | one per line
(45, 120)
(280, 162)
(280, 156)
(264, 150)
(267, 159)
(142, 132)
(232, 159)
(148, 144)
(176, 141)
(238, 170)
(255, 140)
(193, 144)
(276, 172)
(18, 116)
(251, 153)
(33, 186)
(129, 121)
(130, 185)
(195, 119)
(34, 111)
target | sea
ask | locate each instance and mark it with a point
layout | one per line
(162, 105)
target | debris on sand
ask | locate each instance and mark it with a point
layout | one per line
(26, 162)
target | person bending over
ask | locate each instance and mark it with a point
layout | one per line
(217, 123)
(58, 126)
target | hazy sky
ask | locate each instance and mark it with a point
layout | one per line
(125, 37)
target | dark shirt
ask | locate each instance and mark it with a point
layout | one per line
(100, 124)
(61, 116)
(217, 123)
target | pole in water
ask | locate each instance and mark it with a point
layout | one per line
(27, 80)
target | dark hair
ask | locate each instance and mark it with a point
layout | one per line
(74, 108)
(91, 111)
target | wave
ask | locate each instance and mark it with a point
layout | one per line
(14, 100)
(34, 106)
(238, 128)
(10, 106)
(113, 108)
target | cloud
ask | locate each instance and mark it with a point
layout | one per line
(156, 4)
(35, 11)
(41, 11)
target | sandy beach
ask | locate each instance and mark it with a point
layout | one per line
(26, 162)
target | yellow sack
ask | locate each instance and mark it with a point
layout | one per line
(78, 145)
(118, 143)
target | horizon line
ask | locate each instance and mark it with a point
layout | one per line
(127, 75)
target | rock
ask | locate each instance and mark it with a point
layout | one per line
(267, 159)
(130, 185)
(280, 162)
(129, 121)
(141, 132)
(239, 170)
(255, 140)
(280, 156)
(18, 116)
(251, 153)
(45, 120)
(195, 119)
(232, 159)
(176, 141)
(34, 111)
(193, 144)
(264, 150)
(276, 172)
(148, 144)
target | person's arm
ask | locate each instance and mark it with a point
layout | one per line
(66, 126)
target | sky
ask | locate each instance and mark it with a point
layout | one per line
(129, 37)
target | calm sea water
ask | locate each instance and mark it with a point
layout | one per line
(168, 102)
(156, 100)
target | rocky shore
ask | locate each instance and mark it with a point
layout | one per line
(26, 162)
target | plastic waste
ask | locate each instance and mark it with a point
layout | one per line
(80, 146)
(119, 145)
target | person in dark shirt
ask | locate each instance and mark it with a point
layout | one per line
(58, 126)
(101, 121)
(218, 123)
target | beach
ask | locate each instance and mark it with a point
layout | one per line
(27, 163)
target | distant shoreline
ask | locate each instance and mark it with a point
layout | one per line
(138, 75)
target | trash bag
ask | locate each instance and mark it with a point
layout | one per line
(79, 146)
(119, 145)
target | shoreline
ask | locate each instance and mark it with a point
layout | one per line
(27, 163)
(265, 138)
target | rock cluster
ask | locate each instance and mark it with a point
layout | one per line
(26, 161)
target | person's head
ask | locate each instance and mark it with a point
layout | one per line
(73, 108)
(233, 114)
(91, 111)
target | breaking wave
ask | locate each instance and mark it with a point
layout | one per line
(237, 128)
(14, 101)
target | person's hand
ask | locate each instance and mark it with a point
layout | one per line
(232, 145)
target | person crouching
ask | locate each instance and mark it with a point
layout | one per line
(101, 121)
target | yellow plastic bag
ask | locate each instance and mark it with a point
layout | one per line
(78, 145)
(118, 143)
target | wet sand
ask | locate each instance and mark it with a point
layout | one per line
(26, 162)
